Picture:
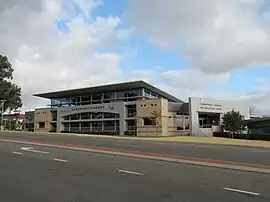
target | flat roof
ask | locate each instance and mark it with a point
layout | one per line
(107, 88)
(256, 120)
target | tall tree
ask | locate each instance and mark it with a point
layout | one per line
(233, 122)
(9, 91)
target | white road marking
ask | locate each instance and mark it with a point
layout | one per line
(60, 160)
(129, 172)
(241, 191)
(126, 145)
(31, 149)
(17, 153)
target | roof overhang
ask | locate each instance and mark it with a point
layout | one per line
(107, 88)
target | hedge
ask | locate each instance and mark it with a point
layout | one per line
(93, 132)
(242, 136)
(130, 133)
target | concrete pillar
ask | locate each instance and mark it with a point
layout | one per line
(59, 120)
(122, 121)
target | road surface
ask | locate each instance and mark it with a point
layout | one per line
(36, 173)
(207, 151)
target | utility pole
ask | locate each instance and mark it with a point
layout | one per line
(2, 113)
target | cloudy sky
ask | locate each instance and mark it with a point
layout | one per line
(208, 48)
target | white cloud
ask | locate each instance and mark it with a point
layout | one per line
(46, 59)
(192, 79)
(190, 83)
(135, 75)
(214, 35)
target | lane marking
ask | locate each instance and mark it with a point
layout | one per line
(31, 149)
(126, 145)
(60, 160)
(241, 191)
(17, 153)
(153, 156)
(129, 172)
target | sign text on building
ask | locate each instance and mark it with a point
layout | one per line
(208, 106)
(87, 108)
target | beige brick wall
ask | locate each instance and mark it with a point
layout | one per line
(43, 115)
(145, 109)
(166, 122)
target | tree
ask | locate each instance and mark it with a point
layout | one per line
(154, 118)
(233, 122)
(9, 91)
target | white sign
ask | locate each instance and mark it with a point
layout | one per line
(208, 106)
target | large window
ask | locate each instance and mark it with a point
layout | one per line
(97, 126)
(41, 125)
(109, 95)
(86, 99)
(85, 116)
(131, 110)
(133, 93)
(208, 120)
(75, 100)
(96, 115)
(120, 94)
(147, 93)
(75, 117)
(74, 127)
(131, 125)
(97, 96)
(60, 102)
(85, 127)
(149, 122)
(109, 125)
(109, 115)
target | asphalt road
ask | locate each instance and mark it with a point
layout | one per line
(207, 151)
(51, 174)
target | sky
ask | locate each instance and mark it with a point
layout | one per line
(212, 48)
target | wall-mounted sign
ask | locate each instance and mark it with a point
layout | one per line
(88, 108)
(209, 106)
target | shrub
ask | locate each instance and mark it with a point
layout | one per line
(130, 133)
(243, 136)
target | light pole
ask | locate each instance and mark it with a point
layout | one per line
(2, 113)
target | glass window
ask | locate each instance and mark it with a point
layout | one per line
(75, 100)
(86, 99)
(60, 102)
(109, 95)
(96, 115)
(109, 125)
(109, 115)
(66, 118)
(131, 110)
(147, 93)
(148, 121)
(153, 95)
(85, 124)
(133, 93)
(120, 94)
(41, 124)
(96, 126)
(74, 117)
(85, 115)
(97, 96)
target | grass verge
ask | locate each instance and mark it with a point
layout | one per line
(190, 139)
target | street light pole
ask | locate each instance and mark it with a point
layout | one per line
(2, 113)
